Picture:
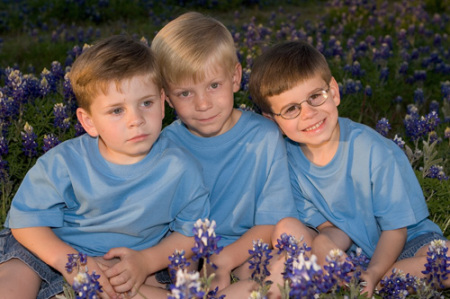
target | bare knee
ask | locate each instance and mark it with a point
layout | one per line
(13, 273)
(294, 227)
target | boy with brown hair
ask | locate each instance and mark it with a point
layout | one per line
(122, 184)
(343, 174)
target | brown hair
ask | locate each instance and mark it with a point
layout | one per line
(282, 67)
(112, 59)
(190, 45)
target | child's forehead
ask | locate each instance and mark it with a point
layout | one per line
(206, 73)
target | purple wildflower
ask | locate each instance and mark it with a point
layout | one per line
(177, 261)
(29, 141)
(3, 146)
(368, 91)
(187, 286)
(419, 97)
(384, 74)
(338, 270)
(205, 241)
(399, 141)
(306, 278)
(62, 119)
(397, 285)
(259, 260)
(86, 286)
(383, 126)
(50, 141)
(437, 172)
(438, 264)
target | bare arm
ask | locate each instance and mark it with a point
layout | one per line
(43, 242)
(135, 266)
(386, 253)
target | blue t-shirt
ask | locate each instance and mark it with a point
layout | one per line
(368, 187)
(246, 172)
(94, 205)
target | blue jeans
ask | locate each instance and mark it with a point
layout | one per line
(412, 246)
(52, 281)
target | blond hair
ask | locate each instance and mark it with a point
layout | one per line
(113, 59)
(191, 45)
(283, 67)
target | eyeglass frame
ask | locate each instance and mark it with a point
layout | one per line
(323, 91)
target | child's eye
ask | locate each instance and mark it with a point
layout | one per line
(184, 94)
(117, 111)
(214, 85)
(147, 103)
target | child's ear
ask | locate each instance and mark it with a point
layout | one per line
(334, 88)
(168, 100)
(86, 121)
(237, 77)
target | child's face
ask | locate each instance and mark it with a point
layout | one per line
(314, 126)
(206, 107)
(127, 122)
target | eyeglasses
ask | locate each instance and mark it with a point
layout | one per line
(314, 100)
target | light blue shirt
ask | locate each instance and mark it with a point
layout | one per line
(368, 187)
(94, 205)
(246, 172)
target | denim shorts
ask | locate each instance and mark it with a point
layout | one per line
(52, 281)
(412, 246)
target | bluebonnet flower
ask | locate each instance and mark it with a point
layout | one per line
(434, 106)
(3, 146)
(205, 241)
(384, 74)
(29, 141)
(437, 172)
(358, 259)
(419, 97)
(187, 286)
(433, 137)
(420, 75)
(338, 270)
(62, 119)
(383, 126)
(50, 141)
(259, 260)
(403, 70)
(86, 286)
(397, 285)
(292, 248)
(399, 141)
(437, 267)
(177, 261)
(306, 278)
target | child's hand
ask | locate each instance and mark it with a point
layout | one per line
(108, 291)
(127, 275)
(369, 283)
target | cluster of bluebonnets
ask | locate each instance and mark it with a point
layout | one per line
(302, 276)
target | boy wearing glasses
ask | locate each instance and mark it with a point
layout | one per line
(344, 174)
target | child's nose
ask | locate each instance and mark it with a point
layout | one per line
(136, 118)
(202, 102)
